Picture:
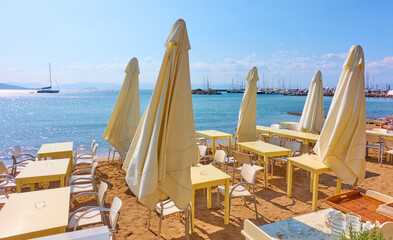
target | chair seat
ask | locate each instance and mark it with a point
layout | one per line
(82, 188)
(169, 208)
(256, 167)
(83, 161)
(239, 191)
(7, 184)
(89, 218)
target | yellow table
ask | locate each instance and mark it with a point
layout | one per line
(214, 135)
(43, 171)
(282, 124)
(208, 176)
(380, 134)
(56, 150)
(265, 150)
(35, 214)
(312, 164)
(305, 137)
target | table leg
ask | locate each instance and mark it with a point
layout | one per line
(226, 216)
(338, 188)
(266, 160)
(311, 181)
(209, 197)
(213, 146)
(62, 181)
(230, 141)
(32, 187)
(192, 209)
(315, 191)
(18, 186)
(289, 178)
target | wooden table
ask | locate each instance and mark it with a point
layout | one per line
(313, 227)
(43, 171)
(214, 135)
(312, 164)
(96, 233)
(282, 124)
(305, 137)
(35, 214)
(208, 176)
(52, 150)
(265, 150)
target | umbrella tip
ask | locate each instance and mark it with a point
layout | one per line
(179, 20)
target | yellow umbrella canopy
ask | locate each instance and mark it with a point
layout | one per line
(124, 120)
(313, 117)
(342, 143)
(246, 130)
(164, 146)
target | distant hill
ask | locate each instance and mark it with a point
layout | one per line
(9, 86)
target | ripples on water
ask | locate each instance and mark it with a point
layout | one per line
(31, 119)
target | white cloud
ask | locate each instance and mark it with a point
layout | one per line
(386, 62)
(334, 55)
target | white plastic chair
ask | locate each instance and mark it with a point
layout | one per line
(6, 180)
(274, 140)
(244, 158)
(86, 158)
(202, 153)
(4, 196)
(17, 150)
(253, 232)
(100, 197)
(296, 148)
(83, 182)
(96, 215)
(238, 190)
(82, 149)
(275, 125)
(220, 158)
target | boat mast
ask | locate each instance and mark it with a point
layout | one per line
(50, 77)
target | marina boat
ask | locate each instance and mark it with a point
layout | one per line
(49, 89)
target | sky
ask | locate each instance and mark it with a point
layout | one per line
(92, 41)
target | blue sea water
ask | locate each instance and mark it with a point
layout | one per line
(31, 119)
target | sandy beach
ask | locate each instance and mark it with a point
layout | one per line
(273, 204)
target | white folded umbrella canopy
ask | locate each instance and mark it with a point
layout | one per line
(124, 120)
(246, 130)
(342, 143)
(164, 146)
(313, 117)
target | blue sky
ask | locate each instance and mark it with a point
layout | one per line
(92, 41)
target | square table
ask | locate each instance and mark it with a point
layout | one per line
(43, 171)
(207, 176)
(287, 124)
(315, 166)
(305, 137)
(214, 135)
(313, 227)
(265, 150)
(35, 214)
(63, 149)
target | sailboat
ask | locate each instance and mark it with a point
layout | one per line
(48, 89)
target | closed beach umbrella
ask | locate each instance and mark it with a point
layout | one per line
(124, 120)
(164, 146)
(246, 125)
(313, 117)
(342, 143)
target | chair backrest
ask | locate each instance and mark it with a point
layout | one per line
(92, 144)
(3, 169)
(242, 158)
(387, 142)
(202, 141)
(220, 156)
(274, 141)
(294, 146)
(102, 194)
(202, 150)
(15, 150)
(95, 149)
(293, 126)
(253, 232)
(372, 138)
(114, 211)
(248, 173)
(275, 125)
(94, 169)
(262, 137)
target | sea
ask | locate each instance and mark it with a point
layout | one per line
(29, 119)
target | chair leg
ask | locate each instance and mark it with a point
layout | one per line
(148, 225)
(159, 225)
(256, 210)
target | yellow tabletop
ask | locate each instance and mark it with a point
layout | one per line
(56, 150)
(207, 176)
(287, 123)
(380, 134)
(35, 214)
(214, 135)
(306, 137)
(265, 150)
(315, 166)
(43, 171)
